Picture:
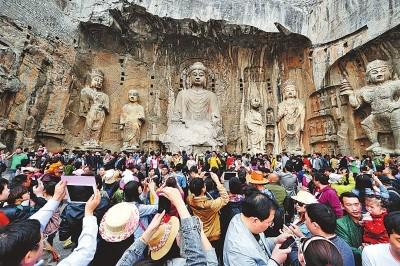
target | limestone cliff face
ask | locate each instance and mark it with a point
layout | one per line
(47, 49)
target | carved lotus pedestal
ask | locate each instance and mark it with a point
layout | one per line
(191, 136)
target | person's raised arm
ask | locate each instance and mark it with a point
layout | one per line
(135, 251)
(44, 214)
(208, 249)
(83, 254)
(223, 199)
(152, 190)
(190, 229)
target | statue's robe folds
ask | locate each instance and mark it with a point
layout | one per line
(256, 132)
(196, 121)
(94, 105)
(291, 114)
(132, 117)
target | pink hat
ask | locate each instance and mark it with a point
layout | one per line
(119, 222)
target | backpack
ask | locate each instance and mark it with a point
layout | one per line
(394, 196)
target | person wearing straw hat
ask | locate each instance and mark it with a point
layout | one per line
(301, 200)
(161, 237)
(117, 233)
(258, 180)
(298, 227)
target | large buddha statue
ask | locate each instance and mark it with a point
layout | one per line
(290, 119)
(93, 106)
(131, 120)
(196, 119)
(382, 94)
(255, 128)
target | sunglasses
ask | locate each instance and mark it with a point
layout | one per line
(301, 204)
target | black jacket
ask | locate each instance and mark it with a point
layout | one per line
(72, 216)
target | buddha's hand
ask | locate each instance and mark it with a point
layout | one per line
(345, 88)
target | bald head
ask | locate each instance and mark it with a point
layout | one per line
(273, 178)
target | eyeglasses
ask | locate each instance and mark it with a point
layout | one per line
(301, 204)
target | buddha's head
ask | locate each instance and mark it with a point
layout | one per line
(255, 103)
(97, 79)
(378, 71)
(289, 90)
(133, 96)
(198, 75)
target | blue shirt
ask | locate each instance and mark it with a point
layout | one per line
(344, 250)
(181, 179)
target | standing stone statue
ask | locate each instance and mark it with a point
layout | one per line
(270, 116)
(270, 134)
(381, 93)
(196, 120)
(255, 128)
(131, 120)
(290, 119)
(315, 104)
(94, 106)
(329, 127)
(334, 101)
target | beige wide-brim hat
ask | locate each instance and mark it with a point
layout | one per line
(162, 240)
(305, 197)
(119, 222)
(257, 177)
(111, 176)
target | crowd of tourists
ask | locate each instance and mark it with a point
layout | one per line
(209, 209)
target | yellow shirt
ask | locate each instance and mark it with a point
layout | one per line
(341, 188)
(334, 163)
(214, 162)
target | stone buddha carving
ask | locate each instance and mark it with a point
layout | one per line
(381, 93)
(270, 116)
(196, 118)
(94, 105)
(197, 103)
(290, 119)
(131, 120)
(255, 128)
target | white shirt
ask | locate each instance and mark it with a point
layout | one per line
(378, 255)
(83, 254)
(190, 163)
(334, 178)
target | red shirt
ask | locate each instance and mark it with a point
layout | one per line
(229, 161)
(307, 162)
(3, 219)
(374, 231)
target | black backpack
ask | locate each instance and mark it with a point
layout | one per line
(394, 196)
